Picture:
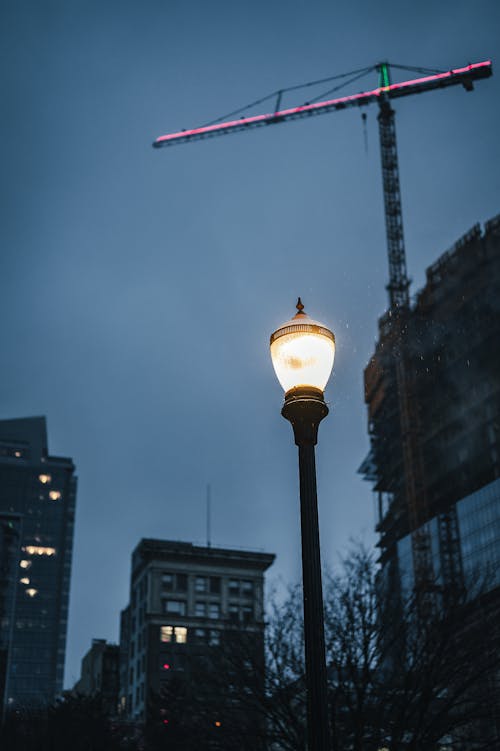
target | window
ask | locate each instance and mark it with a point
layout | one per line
(176, 607)
(200, 609)
(180, 634)
(247, 613)
(173, 634)
(214, 638)
(234, 612)
(214, 610)
(234, 587)
(247, 588)
(167, 581)
(174, 582)
(215, 585)
(166, 633)
(37, 550)
(200, 584)
(200, 635)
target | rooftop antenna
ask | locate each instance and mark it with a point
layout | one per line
(208, 515)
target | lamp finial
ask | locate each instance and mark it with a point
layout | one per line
(299, 307)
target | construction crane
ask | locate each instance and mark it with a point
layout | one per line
(398, 286)
(383, 94)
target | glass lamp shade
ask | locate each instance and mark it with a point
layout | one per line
(302, 351)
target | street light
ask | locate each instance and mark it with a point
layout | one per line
(302, 351)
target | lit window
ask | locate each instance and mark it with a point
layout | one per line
(214, 610)
(24, 580)
(38, 550)
(200, 584)
(180, 634)
(173, 633)
(176, 607)
(200, 609)
(166, 633)
(31, 592)
(54, 495)
(25, 564)
(44, 479)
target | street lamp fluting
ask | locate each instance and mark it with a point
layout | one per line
(302, 351)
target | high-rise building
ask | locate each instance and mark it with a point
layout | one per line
(41, 489)
(434, 423)
(186, 601)
(10, 539)
(433, 393)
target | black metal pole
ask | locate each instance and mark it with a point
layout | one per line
(305, 408)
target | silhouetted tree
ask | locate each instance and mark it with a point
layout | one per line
(401, 676)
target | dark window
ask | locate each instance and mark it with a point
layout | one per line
(247, 588)
(234, 612)
(247, 613)
(200, 584)
(167, 581)
(176, 607)
(181, 582)
(234, 587)
(215, 585)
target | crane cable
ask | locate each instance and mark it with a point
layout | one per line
(357, 74)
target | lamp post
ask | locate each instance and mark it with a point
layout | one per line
(302, 351)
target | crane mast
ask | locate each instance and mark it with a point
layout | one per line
(398, 279)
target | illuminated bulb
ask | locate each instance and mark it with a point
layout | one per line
(25, 564)
(31, 592)
(54, 495)
(302, 351)
(217, 723)
(44, 479)
(24, 580)
(166, 666)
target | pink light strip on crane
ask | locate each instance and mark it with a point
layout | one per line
(318, 105)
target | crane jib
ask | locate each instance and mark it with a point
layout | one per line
(465, 76)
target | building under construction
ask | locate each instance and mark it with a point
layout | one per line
(433, 393)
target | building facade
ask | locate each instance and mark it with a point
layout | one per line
(432, 389)
(100, 674)
(447, 450)
(186, 603)
(41, 489)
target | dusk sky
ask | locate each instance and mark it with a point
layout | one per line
(139, 287)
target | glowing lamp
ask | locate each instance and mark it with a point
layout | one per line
(302, 351)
